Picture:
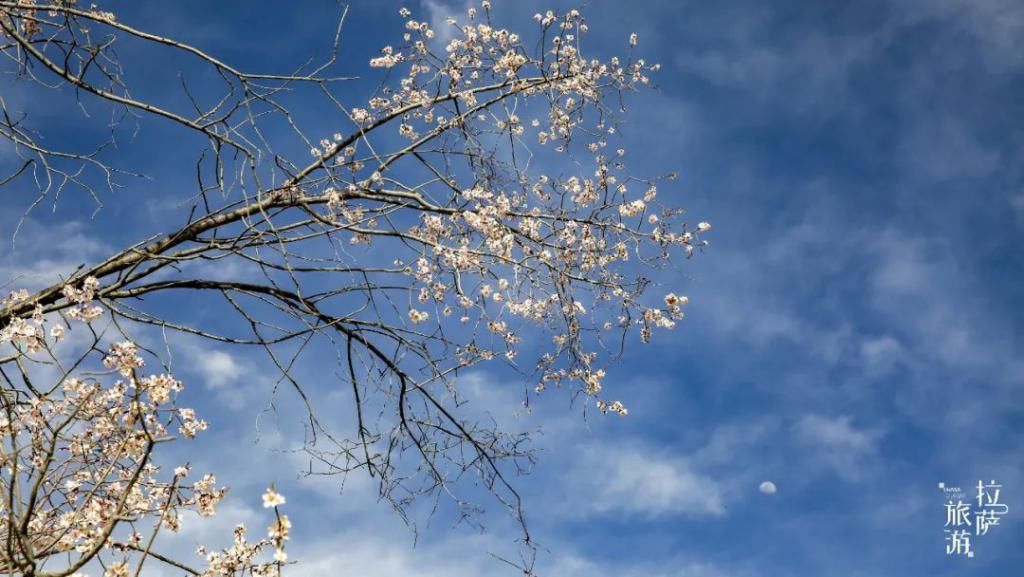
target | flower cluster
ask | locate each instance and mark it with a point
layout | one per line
(24, 332)
(244, 556)
(28, 332)
(81, 298)
(613, 407)
(83, 453)
(511, 247)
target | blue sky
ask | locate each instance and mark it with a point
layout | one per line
(853, 334)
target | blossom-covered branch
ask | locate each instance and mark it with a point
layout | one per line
(477, 197)
(80, 489)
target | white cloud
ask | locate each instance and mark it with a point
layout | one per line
(219, 371)
(836, 443)
(879, 355)
(921, 288)
(769, 308)
(572, 566)
(835, 433)
(807, 73)
(370, 555)
(728, 441)
(943, 148)
(639, 481)
(1016, 202)
(376, 555)
(217, 367)
(43, 254)
(437, 13)
(996, 25)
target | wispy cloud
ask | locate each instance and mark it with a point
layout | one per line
(438, 12)
(997, 26)
(837, 443)
(943, 148)
(43, 253)
(634, 480)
